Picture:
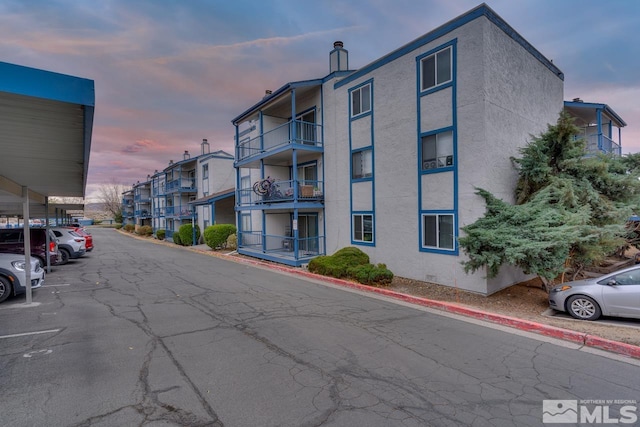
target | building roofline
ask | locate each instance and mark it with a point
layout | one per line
(275, 94)
(477, 12)
(595, 105)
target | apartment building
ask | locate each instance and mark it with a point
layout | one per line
(142, 203)
(388, 157)
(215, 200)
(195, 190)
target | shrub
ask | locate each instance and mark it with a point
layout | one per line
(160, 234)
(186, 234)
(370, 274)
(338, 264)
(215, 236)
(118, 226)
(351, 262)
(129, 228)
(232, 242)
(176, 238)
(145, 230)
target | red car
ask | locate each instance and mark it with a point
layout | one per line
(87, 237)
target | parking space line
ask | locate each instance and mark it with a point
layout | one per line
(53, 286)
(50, 331)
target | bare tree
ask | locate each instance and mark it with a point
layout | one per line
(110, 195)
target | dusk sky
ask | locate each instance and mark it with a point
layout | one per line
(169, 73)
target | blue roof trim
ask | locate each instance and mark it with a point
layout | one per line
(266, 99)
(594, 105)
(477, 12)
(43, 84)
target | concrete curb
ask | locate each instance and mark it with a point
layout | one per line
(581, 338)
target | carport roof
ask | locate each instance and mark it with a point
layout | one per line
(46, 122)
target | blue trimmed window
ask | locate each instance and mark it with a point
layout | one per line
(362, 228)
(435, 69)
(438, 231)
(205, 171)
(362, 163)
(437, 150)
(361, 100)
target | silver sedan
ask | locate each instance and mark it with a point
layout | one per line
(615, 294)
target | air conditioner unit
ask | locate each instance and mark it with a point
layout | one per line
(429, 164)
(449, 160)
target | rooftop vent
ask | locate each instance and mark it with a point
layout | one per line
(577, 100)
(186, 155)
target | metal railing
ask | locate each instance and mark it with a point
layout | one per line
(306, 133)
(600, 143)
(281, 244)
(180, 184)
(270, 191)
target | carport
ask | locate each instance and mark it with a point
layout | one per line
(46, 121)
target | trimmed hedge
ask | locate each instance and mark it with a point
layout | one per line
(129, 228)
(145, 230)
(215, 236)
(176, 238)
(160, 234)
(351, 263)
(186, 234)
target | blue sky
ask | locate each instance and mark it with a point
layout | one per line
(169, 73)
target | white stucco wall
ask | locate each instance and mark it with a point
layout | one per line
(503, 94)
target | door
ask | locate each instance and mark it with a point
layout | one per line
(308, 234)
(306, 128)
(623, 297)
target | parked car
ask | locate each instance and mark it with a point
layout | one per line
(12, 242)
(87, 237)
(70, 244)
(615, 294)
(12, 275)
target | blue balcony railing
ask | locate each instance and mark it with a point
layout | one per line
(267, 191)
(292, 132)
(601, 144)
(281, 246)
(181, 184)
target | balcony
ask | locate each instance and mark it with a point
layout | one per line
(280, 248)
(158, 212)
(304, 134)
(177, 212)
(601, 144)
(270, 191)
(181, 185)
(142, 213)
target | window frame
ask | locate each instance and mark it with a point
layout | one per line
(362, 240)
(434, 55)
(449, 159)
(205, 171)
(352, 96)
(439, 244)
(361, 152)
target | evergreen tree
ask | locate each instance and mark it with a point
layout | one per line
(571, 209)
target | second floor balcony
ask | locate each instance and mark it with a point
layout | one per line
(293, 133)
(181, 185)
(271, 191)
(602, 144)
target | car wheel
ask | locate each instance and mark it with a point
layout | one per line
(41, 262)
(64, 256)
(583, 308)
(5, 288)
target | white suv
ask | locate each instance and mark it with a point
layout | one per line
(12, 275)
(71, 245)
